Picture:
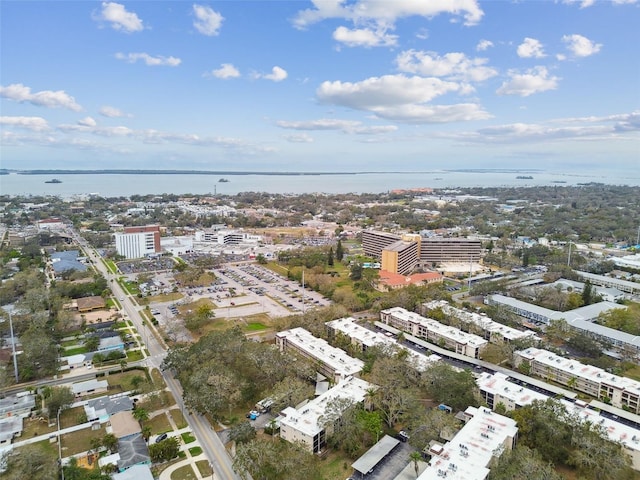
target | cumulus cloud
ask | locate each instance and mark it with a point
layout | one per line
(299, 138)
(451, 65)
(277, 74)
(30, 123)
(149, 60)
(581, 46)
(530, 48)
(583, 3)
(45, 98)
(208, 21)
(112, 112)
(386, 13)
(346, 126)
(401, 98)
(226, 70)
(484, 45)
(119, 18)
(364, 37)
(534, 80)
(87, 122)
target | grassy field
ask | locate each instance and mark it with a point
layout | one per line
(33, 428)
(195, 451)
(187, 437)
(178, 418)
(124, 379)
(184, 473)
(165, 297)
(159, 424)
(204, 468)
(77, 442)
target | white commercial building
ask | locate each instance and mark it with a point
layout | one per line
(363, 338)
(138, 242)
(306, 424)
(227, 237)
(445, 336)
(469, 455)
(621, 392)
(496, 332)
(332, 362)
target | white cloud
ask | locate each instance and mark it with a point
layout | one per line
(208, 21)
(45, 98)
(364, 37)
(484, 45)
(277, 74)
(87, 122)
(226, 70)
(624, 2)
(299, 138)
(452, 65)
(581, 46)
(119, 18)
(112, 112)
(149, 60)
(583, 3)
(386, 13)
(534, 80)
(30, 123)
(346, 126)
(530, 48)
(401, 98)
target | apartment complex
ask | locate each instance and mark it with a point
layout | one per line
(306, 424)
(362, 338)
(138, 242)
(580, 319)
(603, 281)
(332, 362)
(403, 253)
(432, 331)
(471, 453)
(621, 392)
(497, 389)
(493, 331)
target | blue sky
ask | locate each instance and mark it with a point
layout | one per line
(329, 85)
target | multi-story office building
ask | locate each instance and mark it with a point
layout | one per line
(471, 453)
(436, 250)
(332, 362)
(403, 253)
(138, 242)
(362, 338)
(621, 392)
(432, 331)
(226, 237)
(493, 331)
(306, 425)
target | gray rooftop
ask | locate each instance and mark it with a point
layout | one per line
(132, 450)
(375, 454)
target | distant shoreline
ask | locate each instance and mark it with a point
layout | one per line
(231, 172)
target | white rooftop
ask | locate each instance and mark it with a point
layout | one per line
(445, 331)
(577, 369)
(335, 358)
(88, 385)
(468, 454)
(306, 418)
(350, 328)
(498, 384)
(480, 320)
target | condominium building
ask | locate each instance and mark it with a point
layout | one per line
(474, 449)
(362, 338)
(496, 389)
(373, 242)
(307, 425)
(621, 392)
(332, 362)
(580, 319)
(400, 257)
(604, 281)
(493, 331)
(138, 242)
(432, 331)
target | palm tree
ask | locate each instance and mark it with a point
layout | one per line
(415, 457)
(140, 414)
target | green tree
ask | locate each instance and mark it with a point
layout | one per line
(91, 343)
(242, 432)
(447, 385)
(587, 293)
(30, 462)
(522, 463)
(330, 257)
(165, 450)
(58, 398)
(416, 458)
(140, 414)
(339, 251)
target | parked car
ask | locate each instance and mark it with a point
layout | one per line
(161, 437)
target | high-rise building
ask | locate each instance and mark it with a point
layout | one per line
(138, 242)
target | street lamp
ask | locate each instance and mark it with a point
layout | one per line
(60, 444)
(8, 308)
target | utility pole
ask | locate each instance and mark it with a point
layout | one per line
(8, 308)
(569, 257)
